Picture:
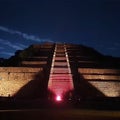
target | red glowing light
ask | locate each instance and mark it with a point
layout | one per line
(58, 98)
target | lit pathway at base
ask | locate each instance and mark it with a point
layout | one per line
(60, 79)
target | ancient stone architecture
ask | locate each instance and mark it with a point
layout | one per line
(60, 71)
(60, 80)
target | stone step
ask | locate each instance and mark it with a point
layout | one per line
(60, 63)
(58, 75)
(98, 71)
(33, 62)
(60, 71)
(60, 58)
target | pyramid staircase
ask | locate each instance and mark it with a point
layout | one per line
(60, 79)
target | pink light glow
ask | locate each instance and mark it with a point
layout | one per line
(60, 79)
(58, 98)
(60, 84)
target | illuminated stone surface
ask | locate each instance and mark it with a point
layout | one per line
(60, 80)
(61, 68)
(13, 79)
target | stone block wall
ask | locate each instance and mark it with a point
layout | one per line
(107, 81)
(12, 79)
(108, 88)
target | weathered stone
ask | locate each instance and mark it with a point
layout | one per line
(16, 76)
(108, 88)
(3, 76)
(98, 71)
(12, 79)
(19, 69)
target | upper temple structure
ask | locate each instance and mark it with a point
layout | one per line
(59, 71)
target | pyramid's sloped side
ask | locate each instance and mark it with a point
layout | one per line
(28, 76)
(12, 79)
(94, 72)
(106, 81)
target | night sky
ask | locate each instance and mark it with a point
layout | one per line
(94, 23)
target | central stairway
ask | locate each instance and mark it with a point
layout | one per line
(60, 79)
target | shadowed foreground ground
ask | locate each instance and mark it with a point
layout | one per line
(58, 114)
